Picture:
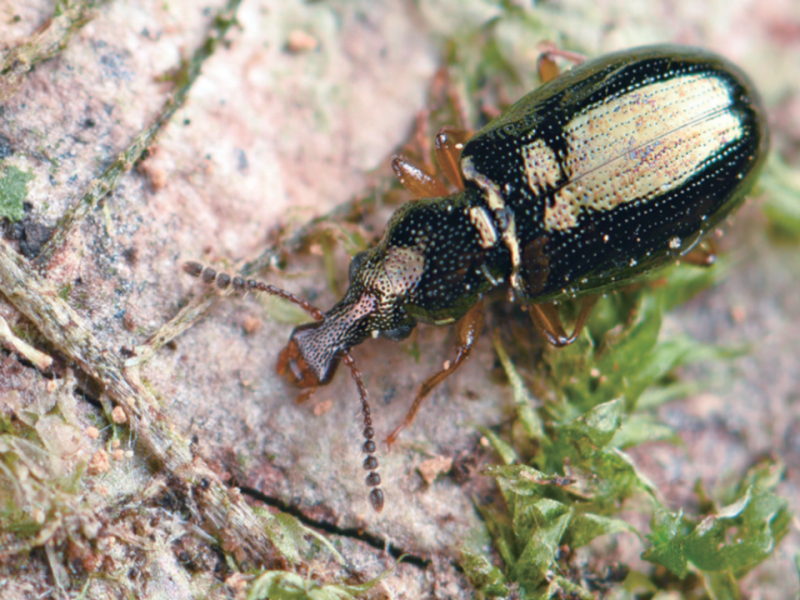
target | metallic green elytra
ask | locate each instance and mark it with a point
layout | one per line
(614, 168)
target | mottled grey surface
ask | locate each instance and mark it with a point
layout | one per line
(273, 138)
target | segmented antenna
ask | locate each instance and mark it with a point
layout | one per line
(223, 281)
(373, 479)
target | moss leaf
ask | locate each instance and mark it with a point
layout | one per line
(736, 539)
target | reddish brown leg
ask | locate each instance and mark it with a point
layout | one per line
(468, 330)
(449, 143)
(545, 318)
(305, 395)
(703, 254)
(423, 140)
(547, 67)
(416, 180)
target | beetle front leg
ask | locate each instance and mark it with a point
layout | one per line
(545, 318)
(417, 180)
(468, 330)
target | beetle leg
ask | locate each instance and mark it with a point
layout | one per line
(416, 180)
(468, 330)
(449, 142)
(305, 395)
(422, 139)
(547, 67)
(703, 254)
(545, 318)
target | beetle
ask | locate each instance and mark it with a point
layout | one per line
(614, 168)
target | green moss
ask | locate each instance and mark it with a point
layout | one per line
(64, 292)
(566, 476)
(782, 206)
(13, 191)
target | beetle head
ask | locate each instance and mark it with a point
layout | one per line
(380, 281)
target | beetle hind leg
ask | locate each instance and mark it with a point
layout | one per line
(547, 67)
(546, 319)
(468, 330)
(703, 254)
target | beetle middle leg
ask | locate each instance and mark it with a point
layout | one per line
(415, 178)
(467, 330)
(546, 319)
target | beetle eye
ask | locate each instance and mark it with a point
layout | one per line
(355, 263)
(398, 334)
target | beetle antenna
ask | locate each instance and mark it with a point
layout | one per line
(373, 479)
(223, 281)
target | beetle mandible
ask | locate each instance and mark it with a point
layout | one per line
(616, 167)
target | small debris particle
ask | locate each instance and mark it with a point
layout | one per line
(484, 442)
(237, 582)
(251, 325)
(128, 322)
(34, 236)
(301, 41)
(118, 415)
(15, 344)
(431, 468)
(131, 255)
(595, 372)
(738, 314)
(93, 432)
(5, 147)
(322, 407)
(706, 406)
(99, 463)
(158, 178)
(446, 365)
(52, 386)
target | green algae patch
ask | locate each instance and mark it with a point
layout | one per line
(13, 191)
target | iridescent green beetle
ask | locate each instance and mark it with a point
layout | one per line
(614, 168)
